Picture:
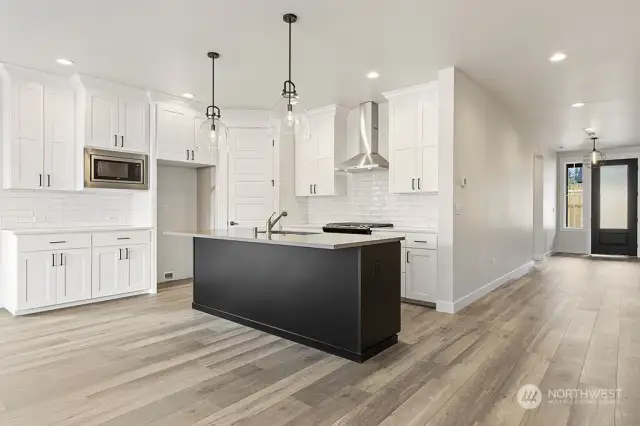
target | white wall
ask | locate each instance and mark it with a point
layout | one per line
(368, 198)
(490, 236)
(177, 209)
(579, 240)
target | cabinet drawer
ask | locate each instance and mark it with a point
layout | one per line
(121, 238)
(425, 241)
(53, 242)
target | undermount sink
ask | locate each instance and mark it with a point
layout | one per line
(289, 233)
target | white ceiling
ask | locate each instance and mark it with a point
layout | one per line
(502, 44)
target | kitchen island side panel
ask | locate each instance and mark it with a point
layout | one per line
(313, 293)
(380, 293)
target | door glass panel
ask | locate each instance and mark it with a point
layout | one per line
(613, 197)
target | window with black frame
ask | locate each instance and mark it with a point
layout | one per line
(574, 196)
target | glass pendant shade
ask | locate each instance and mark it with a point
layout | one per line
(289, 118)
(594, 158)
(211, 131)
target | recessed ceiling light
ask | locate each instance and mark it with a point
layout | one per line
(589, 129)
(578, 105)
(373, 74)
(63, 61)
(187, 95)
(557, 57)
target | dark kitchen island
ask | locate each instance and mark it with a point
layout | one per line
(338, 293)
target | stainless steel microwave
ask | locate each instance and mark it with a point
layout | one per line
(116, 170)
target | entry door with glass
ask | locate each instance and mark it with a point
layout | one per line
(614, 204)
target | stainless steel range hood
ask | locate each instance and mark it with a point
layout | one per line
(368, 159)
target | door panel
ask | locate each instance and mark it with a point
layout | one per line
(139, 267)
(102, 120)
(175, 133)
(105, 271)
(614, 204)
(325, 182)
(323, 126)
(59, 139)
(421, 275)
(133, 124)
(36, 280)
(251, 169)
(27, 147)
(74, 275)
(404, 176)
(428, 172)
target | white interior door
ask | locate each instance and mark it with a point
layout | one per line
(251, 170)
(59, 138)
(133, 124)
(539, 237)
(27, 150)
(73, 275)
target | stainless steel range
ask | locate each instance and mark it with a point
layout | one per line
(354, 227)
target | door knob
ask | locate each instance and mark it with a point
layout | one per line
(232, 223)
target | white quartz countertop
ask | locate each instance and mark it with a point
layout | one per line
(395, 228)
(321, 241)
(77, 230)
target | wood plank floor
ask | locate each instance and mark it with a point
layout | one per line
(152, 360)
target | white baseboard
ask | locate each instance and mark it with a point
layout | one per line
(452, 308)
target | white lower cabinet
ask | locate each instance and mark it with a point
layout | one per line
(41, 271)
(421, 275)
(118, 270)
(73, 275)
(36, 280)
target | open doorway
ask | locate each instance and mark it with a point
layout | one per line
(539, 235)
(614, 208)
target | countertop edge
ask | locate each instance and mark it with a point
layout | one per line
(287, 243)
(87, 230)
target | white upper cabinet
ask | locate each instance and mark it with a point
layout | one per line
(316, 157)
(39, 139)
(178, 136)
(413, 139)
(113, 117)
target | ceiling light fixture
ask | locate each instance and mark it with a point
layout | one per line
(283, 113)
(66, 62)
(373, 74)
(594, 158)
(188, 95)
(557, 57)
(578, 105)
(589, 129)
(213, 126)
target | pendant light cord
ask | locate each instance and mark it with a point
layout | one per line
(213, 81)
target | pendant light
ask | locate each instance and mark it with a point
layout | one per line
(213, 127)
(287, 114)
(594, 158)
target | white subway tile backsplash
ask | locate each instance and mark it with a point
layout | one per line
(368, 200)
(44, 209)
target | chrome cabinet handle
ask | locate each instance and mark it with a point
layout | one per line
(418, 183)
(57, 242)
(413, 184)
(122, 141)
(420, 241)
(53, 259)
(126, 253)
(119, 254)
(123, 238)
(115, 139)
(40, 177)
(49, 180)
(192, 156)
(310, 189)
(187, 154)
(314, 188)
(61, 260)
(408, 256)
